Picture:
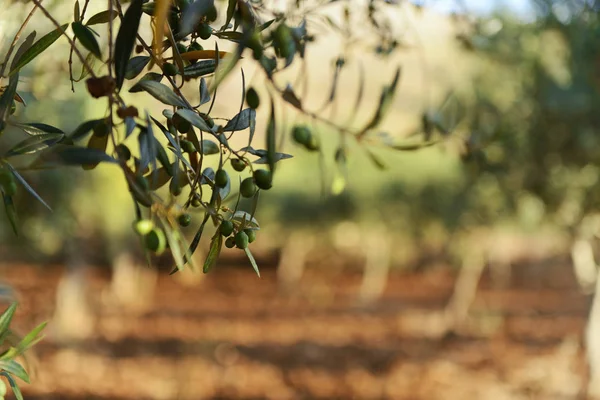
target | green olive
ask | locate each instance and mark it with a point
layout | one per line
(184, 220)
(181, 48)
(301, 134)
(187, 146)
(195, 46)
(204, 31)
(174, 188)
(247, 187)
(230, 242)
(238, 164)
(181, 124)
(143, 226)
(123, 152)
(312, 144)
(156, 241)
(196, 202)
(241, 240)
(211, 14)
(226, 228)
(263, 179)
(252, 98)
(251, 235)
(221, 178)
(169, 69)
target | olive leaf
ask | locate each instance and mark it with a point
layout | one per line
(11, 212)
(225, 66)
(86, 38)
(193, 13)
(37, 48)
(13, 385)
(7, 96)
(271, 144)
(30, 339)
(194, 119)
(289, 96)
(34, 144)
(27, 186)
(27, 43)
(195, 241)
(125, 40)
(204, 94)
(14, 368)
(176, 149)
(36, 128)
(208, 147)
(5, 320)
(231, 5)
(150, 76)
(159, 177)
(200, 68)
(76, 11)
(385, 101)
(413, 146)
(160, 92)
(213, 253)
(85, 128)
(135, 66)
(241, 121)
(174, 239)
(73, 155)
(375, 159)
(252, 261)
(102, 17)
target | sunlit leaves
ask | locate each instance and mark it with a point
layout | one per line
(37, 48)
(125, 40)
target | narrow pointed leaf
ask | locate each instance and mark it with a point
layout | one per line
(86, 38)
(7, 96)
(13, 385)
(271, 145)
(231, 6)
(192, 14)
(385, 101)
(15, 369)
(6, 318)
(27, 186)
(73, 155)
(194, 119)
(201, 68)
(289, 96)
(27, 43)
(31, 338)
(252, 261)
(37, 48)
(76, 11)
(208, 147)
(125, 40)
(135, 66)
(85, 128)
(204, 94)
(150, 76)
(35, 128)
(225, 66)
(241, 121)
(11, 213)
(90, 60)
(161, 92)
(275, 158)
(213, 253)
(102, 17)
(34, 144)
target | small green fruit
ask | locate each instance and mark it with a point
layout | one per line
(263, 179)
(143, 227)
(174, 188)
(247, 187)
(238, 164)
(221, 178)
(123, 152)
(301, 134)
(156, 241)
(181, 124)
(195, 46)
(196, 202)
(211, 14)
(204, 31)
(312, 144)
(187, 146)
(241, 240)
(181, 48)
(169, 69)
(230, 242)
(226, 228)
(252, 98)
(184, 220)
(251, 235)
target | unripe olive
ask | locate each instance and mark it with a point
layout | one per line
(123, 152)
(196, 202)
(181, 124)
(251, 235)
(221, 178)
(181, 48)
(184, 220)
(238, 164)
(241, 240)
(211, 14)
(252, 98)
(263, 179)
(195, 46)
(312, 144)
(226, 228)
(156, 241)
(204, 31)
(143, 226)
(230, 242)
(301, 134)
(169, 69)
(174, 188)
(247, 187)
(187, 146)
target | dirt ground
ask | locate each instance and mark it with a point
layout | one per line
(238, 337)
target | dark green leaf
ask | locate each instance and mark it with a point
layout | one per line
(72, 155)
(11, 212)
(173, 143)
(34, 144)
(265, 25)
(201, 68)
(193, 13)
(376, 160)
(276, 158)
(214, 251)
(252, 261)
(193, 118)
(161, 154)
(232, 36)
(241, 121)
(76, 11)
(13, 385)
(231, 6)
(85, 128)
(6, 99)
(102, 17)
(27, 186)
(161, 93)
(135, 66)
(150, 76)
(5, 320)
(271, 145)
(37, 48)
(87, 39)
(126, 38)
(204, 94)
(158, 178)
(289, 96)
(15, 369)
(35, 128)
(209, 147)
(246, 220)
(27, 43)
(385, 101)
(31, 338)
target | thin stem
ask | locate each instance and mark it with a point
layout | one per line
(81, 16)
(16, 38)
